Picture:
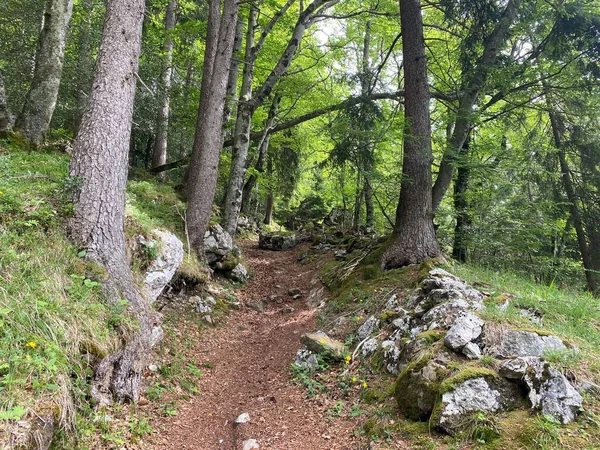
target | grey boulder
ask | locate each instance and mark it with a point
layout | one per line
(276, 241)
(162, 269)
(466, 328)
(549, 389)
(306, 360)
(527, 343)
(368, 327)
(482, 394)
(239, 273)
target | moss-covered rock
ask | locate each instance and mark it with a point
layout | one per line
(417, 386)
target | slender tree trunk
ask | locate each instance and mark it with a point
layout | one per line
(5, 115)
(247, 107)
(463, 219)
(40, 101)
(234, 72)
(99, 163)
(358, 197)
(369, 207)
(475, 83)
(414, 235)
(263, 148)
(204, 166)
(586, 255)
(241, 132)
(270, 198)
(159, 155)
(366, 90)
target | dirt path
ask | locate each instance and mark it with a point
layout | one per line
(251, 355)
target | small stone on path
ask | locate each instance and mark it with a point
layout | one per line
(242, 418)
(250, 444)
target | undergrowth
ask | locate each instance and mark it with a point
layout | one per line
(54, 323)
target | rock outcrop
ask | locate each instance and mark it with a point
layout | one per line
(320, 343)
(433, 340)
(223, 255)
(276, 241)
(167, 261)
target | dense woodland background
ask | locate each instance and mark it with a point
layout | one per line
(514, 112)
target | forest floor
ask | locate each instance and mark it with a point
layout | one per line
(249, 372)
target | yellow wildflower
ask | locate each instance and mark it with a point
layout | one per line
(354, 379)
(31, 344)
(364, 384)
(348, 359)
(322, 341)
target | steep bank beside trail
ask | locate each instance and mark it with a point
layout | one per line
(250, 358)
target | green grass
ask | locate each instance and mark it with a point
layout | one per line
(54, 323)
(573, 315)
(52, 317)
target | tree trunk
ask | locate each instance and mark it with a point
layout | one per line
(40, 101)
(247, 107)
(234, 72)
(99, 163)
(241, 133)
(463, 219)
(414, 236)
(203, 170)
(369, 208)
(5, 115)
(358, 197)
(270, 198)
(263, 148)
(366, 90)
(474, 84)
(159, 155)
(586, 255)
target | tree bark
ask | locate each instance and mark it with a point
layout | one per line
(40, 101)
(414, 236)
(270, 197)
(358, 198)
(247, 107)
(234, 73)
(365, 90)
(159, 154)
(591, 276)
(369, 207)
(463, 219)
(99, 164)
(204, 166)
(241, 132)
(474, 84)
(5, 115)
(263, 148)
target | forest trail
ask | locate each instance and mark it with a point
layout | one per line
(252, 353)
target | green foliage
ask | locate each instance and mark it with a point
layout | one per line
(52, 314)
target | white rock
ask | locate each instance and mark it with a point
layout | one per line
(162, 269)
(243, 418)
(250, 444)
(369, 326)
(369, 347)
(465, 329)
(472, 351)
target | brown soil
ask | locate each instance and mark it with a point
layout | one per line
(252, 353)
